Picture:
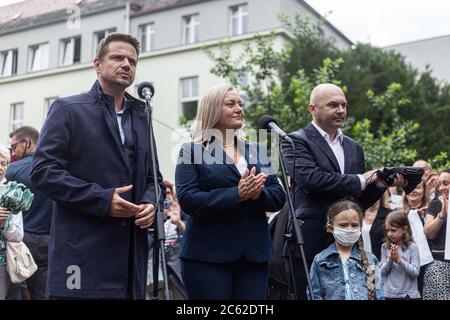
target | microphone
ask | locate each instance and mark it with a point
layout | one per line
(146, 90)
(269, 123)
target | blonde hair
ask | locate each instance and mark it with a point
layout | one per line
(209, 112)
(424, 201)
(4, 152)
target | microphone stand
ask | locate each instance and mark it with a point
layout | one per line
(158, 234)
(297, 236)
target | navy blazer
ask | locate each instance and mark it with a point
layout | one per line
(78, 163)
(318, 182)
(219, 228)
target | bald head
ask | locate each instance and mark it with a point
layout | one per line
(423, 164)
(322, 91)
(328, 107)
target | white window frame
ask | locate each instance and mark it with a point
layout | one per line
(191, 94)
(47, 104)
(67, 51)
(97, 39)
(8, 62)
(38, 57)
(191, 28)
(17, 111)
(239, 15)
(147, 30)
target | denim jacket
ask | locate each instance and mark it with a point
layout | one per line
(327, 275)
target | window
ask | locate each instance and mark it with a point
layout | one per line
(191, 26)
(147, 35)
(48, 103)
(16, 120)
(189, 97)
(238, 20)
(99, 35)
(69, 51)
(8, 63)
(38, 57)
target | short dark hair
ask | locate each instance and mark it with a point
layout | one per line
(26, 132)
(116, 36)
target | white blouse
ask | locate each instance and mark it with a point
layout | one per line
(15, 229)
(241, 165)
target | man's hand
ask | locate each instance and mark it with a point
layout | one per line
(121, 208)
(146, 215)
(399, 181)
(4, 213)
(370, 176)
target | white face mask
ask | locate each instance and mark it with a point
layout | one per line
(346, 237)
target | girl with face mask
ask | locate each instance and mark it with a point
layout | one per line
(345, 271)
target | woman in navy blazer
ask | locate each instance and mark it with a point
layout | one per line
(225, 186)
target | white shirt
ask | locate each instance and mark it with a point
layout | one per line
(119, 116)
(365, 232)
(241, 165)
(338, 150)
(15, 228)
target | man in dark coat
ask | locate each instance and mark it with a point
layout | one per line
(93, 160)
(328, 166)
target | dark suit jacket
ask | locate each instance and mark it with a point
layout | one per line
(219, 228)
(78, 163)
(318, 182)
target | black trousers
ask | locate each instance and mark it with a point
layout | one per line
(240, 280)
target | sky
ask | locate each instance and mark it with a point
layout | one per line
(386, 22)
(6, 2)
(381, 22)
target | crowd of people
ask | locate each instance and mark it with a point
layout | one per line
(90, 226)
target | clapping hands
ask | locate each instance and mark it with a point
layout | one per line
(251, 186)
(394, 253)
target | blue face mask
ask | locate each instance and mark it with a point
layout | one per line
(346, 237)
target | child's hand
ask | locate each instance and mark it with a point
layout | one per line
(394, 253)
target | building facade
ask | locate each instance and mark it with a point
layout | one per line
(432, 52)
(47, 48)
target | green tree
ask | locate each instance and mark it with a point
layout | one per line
(389, 143)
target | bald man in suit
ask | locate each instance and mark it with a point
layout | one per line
(328, 166)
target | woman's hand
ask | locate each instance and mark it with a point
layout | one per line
(174, 213)
(258, 186)
(245, 184)
(4, 213)
(251, 186)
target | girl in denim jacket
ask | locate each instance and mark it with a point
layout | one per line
(344, 271)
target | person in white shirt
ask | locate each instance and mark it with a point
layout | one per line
(11, 230)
